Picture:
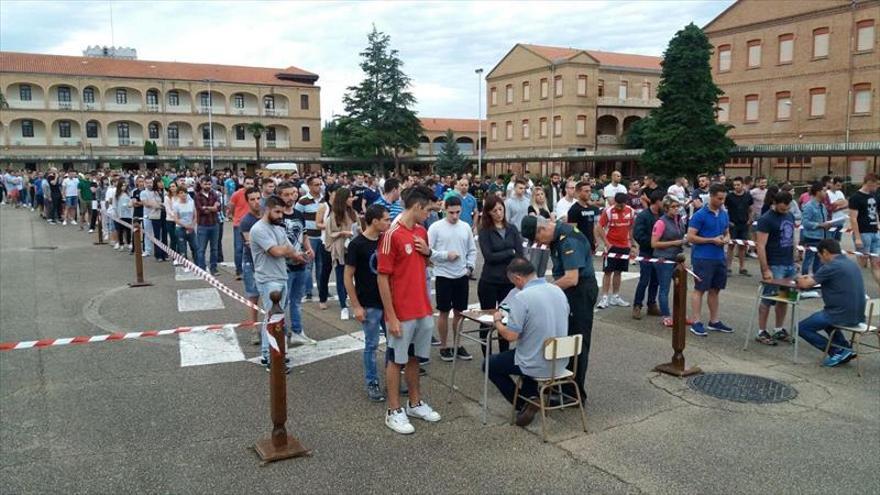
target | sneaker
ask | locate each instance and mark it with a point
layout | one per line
(255, 338)
(719, 327)
(91, 231)
(841, 357)
(810, 294)
(422, 411)
(300, 339)
(65, 222)
(753, 254)
(434, 341)
(618, 301)
(764, 338)
(782, 335)
(603, 302)
(426, 360)
(397, 421)
(51, 222)
(307, 297)
(73, 222)
(637, 312)
(344, 314)
(117, 246)
(527, 414)
(175, 263)
(744, 272)
(654, 310)
(374, 393)
(698, 329)
(447, 354)
(667, 321)
(463, 354)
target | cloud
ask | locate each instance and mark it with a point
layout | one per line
(441, 43)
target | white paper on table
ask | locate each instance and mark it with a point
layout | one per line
(486, 318)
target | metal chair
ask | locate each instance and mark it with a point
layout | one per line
(555, 349)
(856, 333)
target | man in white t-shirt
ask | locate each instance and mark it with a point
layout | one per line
(839, 206)
(564, 203)
(613, 188)
(678, 190)
(70, 188)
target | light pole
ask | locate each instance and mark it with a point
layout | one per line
(479, 73)
(210, 127)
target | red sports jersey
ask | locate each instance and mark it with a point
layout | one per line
(405, 266)
(618, 223)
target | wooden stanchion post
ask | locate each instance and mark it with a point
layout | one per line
(100, 223)
(138, 256)
(679, 320)
(279, 445)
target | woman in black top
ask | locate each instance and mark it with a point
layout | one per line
(500, 242)
(539, 203)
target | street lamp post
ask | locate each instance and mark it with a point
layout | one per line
(479, 73)
(210, 127)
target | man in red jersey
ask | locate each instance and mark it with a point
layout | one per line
(614, 230)
(403, 257)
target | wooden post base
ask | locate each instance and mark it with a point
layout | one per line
(672, 369)
(99, 243)
(139, 284)
(270, 453)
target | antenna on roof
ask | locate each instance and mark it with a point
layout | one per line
(112, 35)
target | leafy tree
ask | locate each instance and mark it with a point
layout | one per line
(635, 136)
(257, 129)
(450, 161)
(682, 137)
(150, 148)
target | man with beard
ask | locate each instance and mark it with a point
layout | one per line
(294, 223)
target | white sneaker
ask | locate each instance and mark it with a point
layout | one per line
(117, 246)
(810, 294)
(603, 302)
(397, 421)
(65, 222)
(146, 254)
(618, 301)
(91, 231)
(422, 411)
(344, 314)
(300, 339)
(73, 222)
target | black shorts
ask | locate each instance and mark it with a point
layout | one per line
(616, 264)
(452, 293)
(739, 231)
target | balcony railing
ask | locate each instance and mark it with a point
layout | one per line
(69, 142)
(173, 143)
(217, 143)
(611, 101)
(245, 111)
(13, 104)
(62, 105)
(607, 139)
(275, 112)
(152, 107)
(270, 144)
(123, 141)
(90, 107)
(123, 107)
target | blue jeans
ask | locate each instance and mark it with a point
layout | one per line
(295, 284)
(870, 243)
(316, 265)
(374, 323)
(811, 259)
(340, 285)
(238, 247)
(664, 282)
(184, 238)
(265, 289)
(206, 234)
(647, 281)
(501, 367)
(809, 330)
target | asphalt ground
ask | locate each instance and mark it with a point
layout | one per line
(122, 417)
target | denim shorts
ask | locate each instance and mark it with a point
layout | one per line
(247, 278)
(871, 242)
(712, 273)
(71, 201)
(779, 271)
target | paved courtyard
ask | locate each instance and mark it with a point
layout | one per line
(180, 414)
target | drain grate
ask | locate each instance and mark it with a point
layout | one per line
(44, 248)
(742, 388)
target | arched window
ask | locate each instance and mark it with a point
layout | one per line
(153, 130)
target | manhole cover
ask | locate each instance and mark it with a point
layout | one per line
(742, 388)
(44, 248)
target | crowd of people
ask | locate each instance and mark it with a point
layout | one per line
(385, 238)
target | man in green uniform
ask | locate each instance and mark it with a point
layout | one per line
(573, 273)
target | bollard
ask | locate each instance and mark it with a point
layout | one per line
(138, 256)
(679, 320)
(100, 224)
(279, 445)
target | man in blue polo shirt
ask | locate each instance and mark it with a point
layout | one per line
(707, 231)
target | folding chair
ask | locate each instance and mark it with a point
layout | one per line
(856, 333)
(555, 348)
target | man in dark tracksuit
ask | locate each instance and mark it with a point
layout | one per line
(573, 273)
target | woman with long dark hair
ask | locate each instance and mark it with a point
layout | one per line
(322, 216)
(153, 199)
(339, 234)
(124, 212)
(185, 215)
(170, 223)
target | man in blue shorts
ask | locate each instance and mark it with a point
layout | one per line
(708, 232)
(775, 245)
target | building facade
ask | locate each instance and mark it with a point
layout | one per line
(465, 132)
(798, 73)
(103, 107)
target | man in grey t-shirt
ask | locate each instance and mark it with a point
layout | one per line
(538, 311)
(517, 205)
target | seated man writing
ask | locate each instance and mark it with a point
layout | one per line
(843, 292)
(538, 311)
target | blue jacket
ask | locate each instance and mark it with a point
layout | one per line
(813, 215)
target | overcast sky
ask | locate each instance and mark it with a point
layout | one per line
(441, 43)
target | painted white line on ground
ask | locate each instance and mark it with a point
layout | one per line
(200, 348)
(198, 299)
(306, 354)
(182, 274)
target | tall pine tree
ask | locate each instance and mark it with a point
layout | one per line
(682, 137)
(450, 161)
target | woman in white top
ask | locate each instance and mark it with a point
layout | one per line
(339, 233)
(124, 212)
(153, 199)
(170, 224)
(184, 209)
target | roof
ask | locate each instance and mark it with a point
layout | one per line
(457, 125)
(146, 69)
(614, 59)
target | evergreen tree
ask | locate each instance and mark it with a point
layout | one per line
(682, 136)
(450, 161)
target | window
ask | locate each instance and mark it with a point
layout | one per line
(622, 90)
(581, 127)
(557, 85)
(545, 88)
(783, 105)
(723, 58)
(152, 97)
(817, 102)
(91, 129)
(582, 85)
(493, 131)
(206, 132)
(173, 98)
(493, 96)
(820, 42)
(751, 108)
(89, 95)
(173, 132)
(64, 94)
(526, 91)
(508, 94)
(646, 90)
(525, 128)
(239, 133)
(238, 100)
(865, 35)
(601, 88)
(306, 134)
(786, 48)
(121, 96)
(269, 102)
(723, 109)
(27, 128)
(508, 130)
(542, 129)
(24, 92)
(205, 99)
(64, 129)
(303, 102)
(754, 53)
(557, 125)
(862, 98)
(153, 130)
(122, 131)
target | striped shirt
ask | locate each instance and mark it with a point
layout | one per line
(394, 209)
(308, 206)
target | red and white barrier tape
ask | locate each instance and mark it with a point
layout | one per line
(84, 339)
(741, 242)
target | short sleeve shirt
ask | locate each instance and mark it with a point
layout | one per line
(537, 312)
(247, 223)
(618, 223)
(843, 290)
(268, 268)
(780, 237)
(709, 224)
(239, 200)
(866, 206)
(570, 250)
(405, 267)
